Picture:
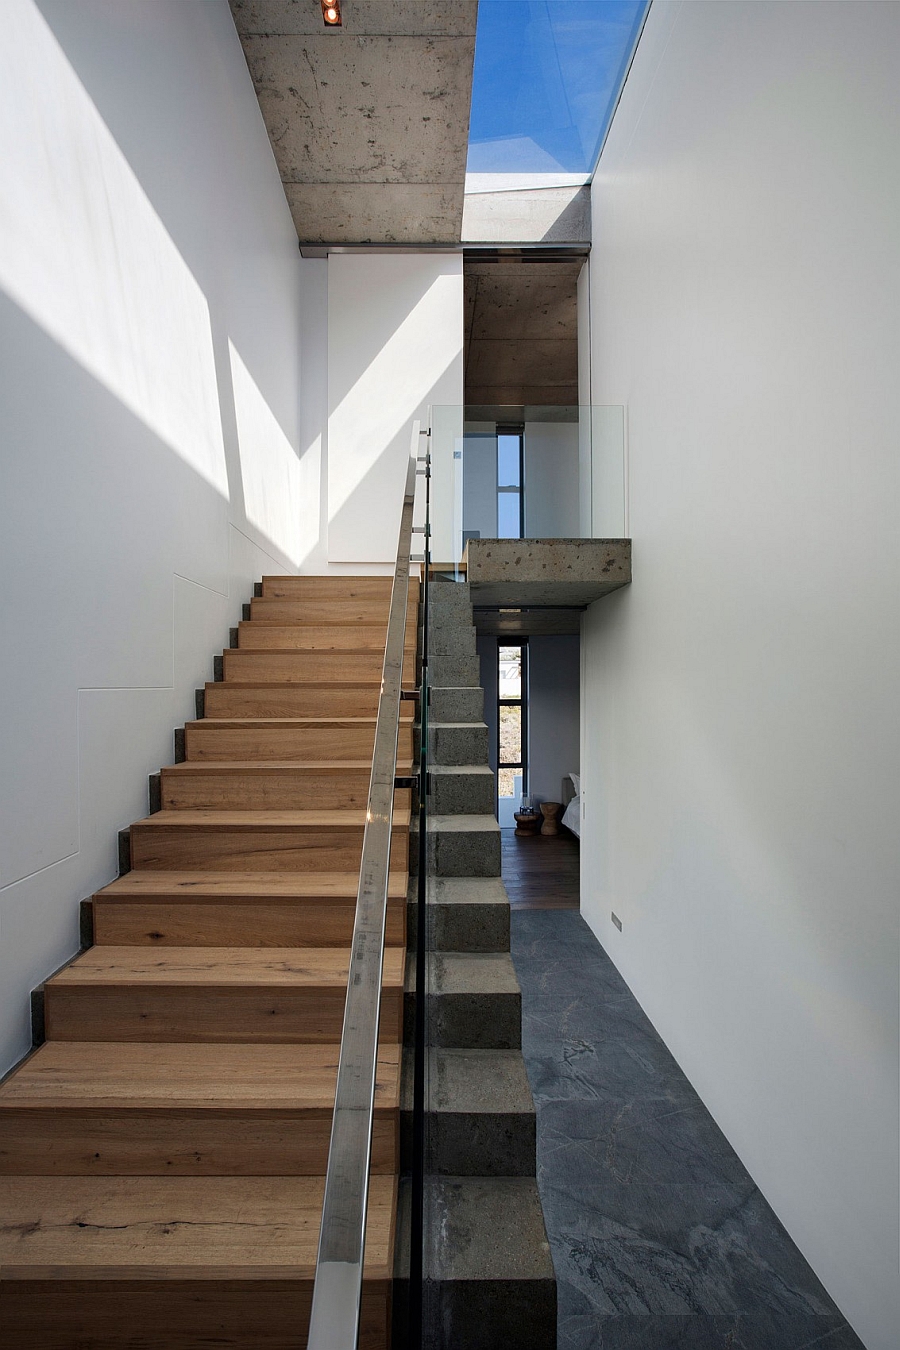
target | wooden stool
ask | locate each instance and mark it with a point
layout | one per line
(527, 822)
(550, 811)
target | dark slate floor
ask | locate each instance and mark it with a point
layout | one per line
(660, 1239)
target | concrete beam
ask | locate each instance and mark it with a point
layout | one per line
(557, 572)
(361, 18)
(368, 122)
(558, 215)
(374, 213)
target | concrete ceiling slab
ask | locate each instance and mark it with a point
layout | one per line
(531, 300)
(522, 332)
(514, 395)
(527, 622)
(537, 215)
(374, 213)
(528, 361)
(381, 103)
(368, 18)
(362, 110)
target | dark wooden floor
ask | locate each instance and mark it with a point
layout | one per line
(540, 871)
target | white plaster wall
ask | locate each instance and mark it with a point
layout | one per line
(151, 307)
(583, 319)
(554, 671)
(479, 492)
(740, 754)
(551, 480)
(395, 346)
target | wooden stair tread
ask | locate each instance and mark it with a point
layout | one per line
(176, 1228)
(180, 1164)
(315, 689)
(195, 886)
(256, 820)
(336, 653)
(326, 637)
(219, 967)
(314, 686)
(234, 698)
(189, 766)
(308, 668)
(336, 613)
(74, 1075)
(361, 624)
(263, 637)
(328, 586)
(255, 723)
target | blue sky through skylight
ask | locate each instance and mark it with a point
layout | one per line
(547, 77)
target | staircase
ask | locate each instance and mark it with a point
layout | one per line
(489, 1280)
(162, 1153)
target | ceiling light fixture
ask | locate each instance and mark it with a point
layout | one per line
(331, 13)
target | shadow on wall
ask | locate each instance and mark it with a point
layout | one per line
(395, 346)
(113, 290)
(140, 449)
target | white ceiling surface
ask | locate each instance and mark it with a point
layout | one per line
(369, 122)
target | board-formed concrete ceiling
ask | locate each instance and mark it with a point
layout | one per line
(521, 332)
(369, 122)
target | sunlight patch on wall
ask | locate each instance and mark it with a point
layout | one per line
(402, 369)
(270, 467)
(85, 255)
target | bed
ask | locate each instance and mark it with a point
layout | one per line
(571, 817)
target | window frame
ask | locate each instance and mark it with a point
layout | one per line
(516, 429)
(520, 702)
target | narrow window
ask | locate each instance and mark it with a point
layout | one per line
(512, 723)
(510, 485)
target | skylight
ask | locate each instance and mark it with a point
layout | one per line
(548, 74)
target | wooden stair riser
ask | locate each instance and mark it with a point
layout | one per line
(251, 848)
(308, 638)
(184, 1262)
(260, 923)
(328, 742)
(275, 788)
(249, 1314)
(297, 700)
(333, 588)
(146, 1142)
(336, 612)
(189, 1014)
(291, 667)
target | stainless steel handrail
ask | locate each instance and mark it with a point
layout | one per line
(334, 1320)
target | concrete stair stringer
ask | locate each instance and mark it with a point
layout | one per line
(489, 1275)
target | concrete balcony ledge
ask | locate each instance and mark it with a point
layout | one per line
(552, 579)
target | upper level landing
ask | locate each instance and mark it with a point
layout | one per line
(540, 586)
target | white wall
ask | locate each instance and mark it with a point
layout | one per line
(583, 318)
(151, 308)
(479, 473)
(551, 480)
(395, 346)
(741, 697)
(554, 671)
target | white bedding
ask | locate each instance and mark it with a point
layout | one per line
(572, 815)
